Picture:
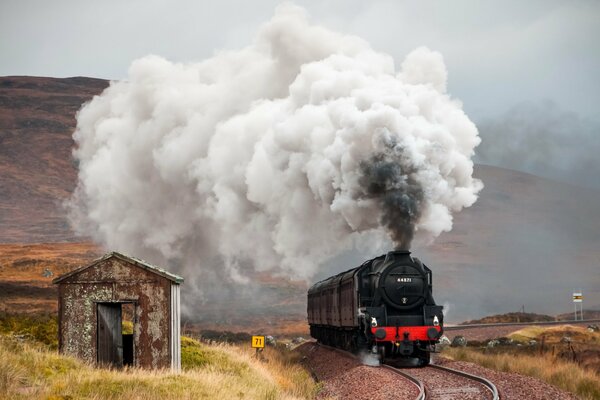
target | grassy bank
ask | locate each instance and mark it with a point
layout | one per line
(38, 328)
(31, 370)
(564, 374)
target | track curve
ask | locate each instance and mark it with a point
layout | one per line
(485, 382)
(432, 385)
(419, 385)
(443, 383)
(422, 393)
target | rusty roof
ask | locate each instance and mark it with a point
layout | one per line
(136, 261)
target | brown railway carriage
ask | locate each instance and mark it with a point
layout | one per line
(334, 302)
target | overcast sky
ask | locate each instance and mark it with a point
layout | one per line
(498, 54)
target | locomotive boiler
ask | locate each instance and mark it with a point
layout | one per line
(385, 305)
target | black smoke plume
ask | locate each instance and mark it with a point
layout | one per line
(389, 179)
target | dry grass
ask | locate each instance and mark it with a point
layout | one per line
(39, 328)
(566, 375)
(31, 371)
(554, 334)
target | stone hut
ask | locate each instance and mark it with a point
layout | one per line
(118, 311)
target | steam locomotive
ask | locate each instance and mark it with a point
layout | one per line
(385, 306)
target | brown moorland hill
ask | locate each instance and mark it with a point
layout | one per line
(37, 171)
(511, 317)
(27, 270)
(527, 241)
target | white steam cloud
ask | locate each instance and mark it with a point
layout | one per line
(274, 157)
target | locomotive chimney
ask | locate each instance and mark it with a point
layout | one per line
(396, 255)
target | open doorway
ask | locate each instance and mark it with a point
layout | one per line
(127, 329)
(116, 324)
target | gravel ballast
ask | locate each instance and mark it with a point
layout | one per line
(443, 385)
(511, 386)
(347, 378)
(344, 377)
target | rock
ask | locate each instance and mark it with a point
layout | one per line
(444, 342)
(532, 342)
(492, 343)
(459, 341)
(504, 341)
(270, 340)
(566, 339)
(593, 328)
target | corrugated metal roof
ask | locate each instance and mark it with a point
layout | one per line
(133, 260)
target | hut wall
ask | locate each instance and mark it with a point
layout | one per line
(115, 280)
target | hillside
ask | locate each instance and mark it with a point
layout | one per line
(510, 317)
(27, 270)
(527, 241)
(37, 118)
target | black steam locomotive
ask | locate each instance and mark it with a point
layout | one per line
(385, 306)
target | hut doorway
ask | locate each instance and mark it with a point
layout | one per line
(115, 333)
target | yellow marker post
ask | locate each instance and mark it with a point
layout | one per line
(258, 343)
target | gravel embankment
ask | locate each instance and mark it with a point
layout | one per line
(347, 378)
(511, 386)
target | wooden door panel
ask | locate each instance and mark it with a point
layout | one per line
(110, 339)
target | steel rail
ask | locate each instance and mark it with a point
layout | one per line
(422, 393)
(422, 389)
(488, 384)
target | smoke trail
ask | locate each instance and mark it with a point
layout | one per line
(274, 157)
(390, 180)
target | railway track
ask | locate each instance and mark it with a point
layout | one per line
(443, 383)
(420, 386)
(436, 382)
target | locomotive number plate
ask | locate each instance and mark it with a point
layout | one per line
(404, 279)
(258, 342)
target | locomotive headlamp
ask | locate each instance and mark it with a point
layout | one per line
(373, 322)
(436, 321)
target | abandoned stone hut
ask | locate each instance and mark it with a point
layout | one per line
(118, 311)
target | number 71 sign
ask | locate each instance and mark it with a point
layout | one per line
(258, 342)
